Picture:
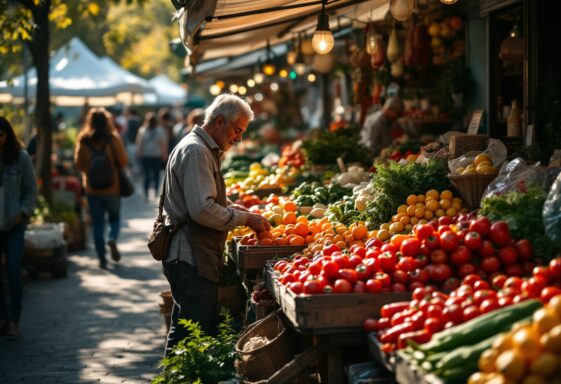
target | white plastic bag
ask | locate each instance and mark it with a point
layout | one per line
(515, 176)
(552, 211)
(496, 150)
(44, 236)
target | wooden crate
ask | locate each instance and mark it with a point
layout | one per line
(254, 257)
(375, 347)
(331, 312)
(405, 373)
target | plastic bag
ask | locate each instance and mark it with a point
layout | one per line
(552, 212)
(44, 236)
(515, 176)
(496, 150)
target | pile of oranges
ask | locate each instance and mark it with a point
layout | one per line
(420, 209)
(339, 234)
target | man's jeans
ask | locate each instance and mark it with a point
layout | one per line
(194, 298)
(11, 245)
(99, 205)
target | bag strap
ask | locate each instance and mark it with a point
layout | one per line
(117, 167)
(103, 147)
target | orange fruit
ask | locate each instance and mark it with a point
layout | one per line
(414, 220)
(451, 211)
(290, 231)
(265, 234)
(326, 226)
(360, 232)
(338, 237)
(433, 193)
(420, 212)
(411, 210)
(429, 214)
(445, 203)
(266, 241)
(280, 241)
(297, 240)
(412, 200)
(432, 205)
(341, 244)
(301, 229)
(440, 212)
(309, 239)
(349, 237)
(446, 194)
(290, 206)
(421, 198)
(289, 218)
(402, 209)
(302, 219)
(405, 220)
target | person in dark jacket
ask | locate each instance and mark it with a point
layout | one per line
(18, 196)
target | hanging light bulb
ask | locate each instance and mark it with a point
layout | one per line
(269, 68)
(291, 55)
(323, 41)
(300, 65)
(371, 42)
(214, 90)
(283, 73)
(400, 9)
(448, 2)
(259, 77)
(250, 83)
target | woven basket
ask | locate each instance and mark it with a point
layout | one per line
(471, 187)
(462, 144)
(263, 362)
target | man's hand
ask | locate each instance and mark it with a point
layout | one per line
(257, 222)
(239, 207)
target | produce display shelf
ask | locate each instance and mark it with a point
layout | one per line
(329, 313)
(406, 373)
(254, 257)
(375, 347)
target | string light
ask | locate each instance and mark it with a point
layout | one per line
(323, 41)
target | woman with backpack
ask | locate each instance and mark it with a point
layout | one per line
(18, 196)
(99, 155)
(152, 149)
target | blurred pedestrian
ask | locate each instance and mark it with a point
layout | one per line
(376, 131)
(152, 150)
(18, 196)
(195, 194)
(99, 154)
(167, 122)
(195, 117)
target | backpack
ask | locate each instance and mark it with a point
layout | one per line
(100, 172)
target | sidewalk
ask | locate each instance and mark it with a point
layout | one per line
(95, 326)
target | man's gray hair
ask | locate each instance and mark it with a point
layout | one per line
(230, 106)
(394, 103)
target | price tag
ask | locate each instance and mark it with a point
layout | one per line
(475, 121)
(529, 135)
(341, 164)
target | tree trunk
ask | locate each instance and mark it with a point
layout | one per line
(39, 47)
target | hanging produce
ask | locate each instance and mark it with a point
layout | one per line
(378, 56)
(400, 9)
(394, 49)
(421, 46)
(397, 69)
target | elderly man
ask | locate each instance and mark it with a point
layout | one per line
(195, 191)
(376, 131)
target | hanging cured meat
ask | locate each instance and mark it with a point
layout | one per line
(378, 56)
(421, 46)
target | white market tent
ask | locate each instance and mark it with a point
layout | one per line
(77, 75)
(167, 91)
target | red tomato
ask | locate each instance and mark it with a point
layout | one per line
(466, 269)
(398, 287)
(370, 325)
(452, 313)
(342, 261)
(438, 256)
(440, 273)
(434, 310)
(524, 248)
(443, 228)
(359, 287)
(420, 294)
(287, 279)
(434, 324)
(514, 270)
(406, 264)
(384, 278)
(388, 247)
(444, 220)
(410, 247)
(328, 251)
(432, 242)
(548, 293)
(355, 260)
(450, 284)
(374, 242)
(312, 287)
(399, 277)
(508, 255)
(372, 253)
(315, 268)
(487, 249)
(555, 268)
(421, 261)
(490, 264)
(470, 280)
(418, 275)
(363, 272)
(498, 281)
(504, 301)
(460, 255)
(374, 264)
(415, 284)
(423, 231)
(513, 282)
(342, 286)
(481, 225)
(470, 312)
(330, 269)
(348, 274)
(544, 272)
(358, 250)
(500, 234)
(533, 286)
(449, 241)
(295, 287)
(387, 260)
(483, 294)
(473, 240)
(481, 285)
(373, 285)
(489, 305)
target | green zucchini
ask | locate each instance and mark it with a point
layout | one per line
(459, 375)
(480, 328)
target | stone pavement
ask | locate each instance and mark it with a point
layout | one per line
(94, 326)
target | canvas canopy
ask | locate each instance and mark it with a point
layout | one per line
(167, 92)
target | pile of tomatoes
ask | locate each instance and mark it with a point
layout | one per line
(431, 311)
(437, 254)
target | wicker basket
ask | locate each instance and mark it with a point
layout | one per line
(261, 363)
(471, 187)
(461, 144)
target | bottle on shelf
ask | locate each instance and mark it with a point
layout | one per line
(514, 121)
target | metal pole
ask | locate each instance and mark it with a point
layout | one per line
(26, 119)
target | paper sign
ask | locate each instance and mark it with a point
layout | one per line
(475, 121)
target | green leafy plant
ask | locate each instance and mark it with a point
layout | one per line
(523, 213)
(200, 358)
(54, 213)
(328, 146)
(393, 182)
